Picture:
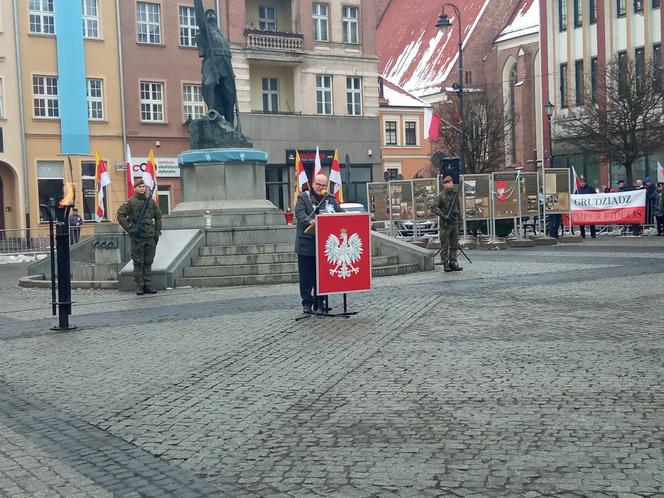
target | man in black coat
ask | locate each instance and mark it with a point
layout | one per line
(309, 204)
(584, 188)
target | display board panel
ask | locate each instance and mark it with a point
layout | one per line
(378, 194)
(505, 194)
(556, 190)
(476, 196)
(425, 192)
(529, 194)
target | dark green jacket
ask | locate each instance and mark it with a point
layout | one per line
(442, 206)
(128, 217)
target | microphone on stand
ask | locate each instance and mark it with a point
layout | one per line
(310, 228)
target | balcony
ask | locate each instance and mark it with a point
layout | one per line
(274, 46)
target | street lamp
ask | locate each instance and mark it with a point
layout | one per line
(548, 108)
(443, 23)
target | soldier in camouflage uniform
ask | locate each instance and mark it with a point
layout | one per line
(448, 226)
(144, 235)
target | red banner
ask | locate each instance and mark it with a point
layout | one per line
(343, 253)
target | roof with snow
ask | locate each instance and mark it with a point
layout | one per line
(525, 21)
(413, 52)
(398, 97)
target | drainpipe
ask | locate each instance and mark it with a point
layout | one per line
(121, 68)
(21, 114)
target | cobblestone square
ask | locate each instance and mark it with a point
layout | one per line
(534, 372)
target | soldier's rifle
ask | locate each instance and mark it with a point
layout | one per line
(141, 222)
(446, 222)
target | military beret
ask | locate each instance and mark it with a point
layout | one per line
(138, 182)
(447, 179)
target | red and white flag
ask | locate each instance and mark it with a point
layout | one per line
(577, 181)
(431, 123)
(318, 169)
(129, 174)
(660, 173)
(619, 208)
(300, 177)
(150, 174)
(102, 179)
(334, 185)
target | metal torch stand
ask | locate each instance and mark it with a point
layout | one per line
(58, 222)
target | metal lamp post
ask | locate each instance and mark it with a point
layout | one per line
(443, 23)
(548, 108)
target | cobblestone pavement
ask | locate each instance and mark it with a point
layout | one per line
(534, 372)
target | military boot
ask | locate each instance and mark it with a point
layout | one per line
(447, 267)
(139, 290)
(149, 289)
(455, 266)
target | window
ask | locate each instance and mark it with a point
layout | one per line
(578, 82)
(267, 18)
(188, 27)
(45, 94)
(621, 7)
(562, 15)
(42, 17)
(192, 98)
(50, 180)
(512, 113)
(354, 96)
(391, 133)
(410, 136)
(152, 102)
(323, 94)
(639, 66)
(593, 11)
(638, 5)
(563, 85)
(623, 67)
(593, 79)
(319, 19)
(270, 88)
(90, 19)
(88, 169)
(349, 23)
(2, 98)
(578, 13)
(655, 4)
(657, 63)
(95, 95)
(149, 27)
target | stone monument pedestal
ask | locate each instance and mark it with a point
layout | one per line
(223, 188)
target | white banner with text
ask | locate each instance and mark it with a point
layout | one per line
(618, 208)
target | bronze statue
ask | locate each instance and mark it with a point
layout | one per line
(218, 80)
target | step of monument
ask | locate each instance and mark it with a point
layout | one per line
(270, 258)
(236, 270)
(279, 278)
(250, 236)
(287, 247)
(245, 259)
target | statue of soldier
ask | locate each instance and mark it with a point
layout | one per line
(448, 209)
(218, 80)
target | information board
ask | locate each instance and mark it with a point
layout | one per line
(556, 190)
(378, 194)
(476, 196)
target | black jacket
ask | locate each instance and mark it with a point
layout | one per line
(305, 243)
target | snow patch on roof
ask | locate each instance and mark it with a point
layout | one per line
(398, 97)
(525, 21)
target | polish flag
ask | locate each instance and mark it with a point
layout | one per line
(102, 179)
(334, 185)
(660, 173)
(318, 169)
(150, 175)
(300, 177)
(577, 181)
(129, 174)
(431, 123)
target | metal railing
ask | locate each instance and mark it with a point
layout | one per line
(274, 40)
(24, 241)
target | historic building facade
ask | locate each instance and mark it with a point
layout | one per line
(577, 37)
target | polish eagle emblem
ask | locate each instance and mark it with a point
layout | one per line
(344, 253)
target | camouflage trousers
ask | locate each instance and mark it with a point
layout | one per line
(449, 243)
(142, 254)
